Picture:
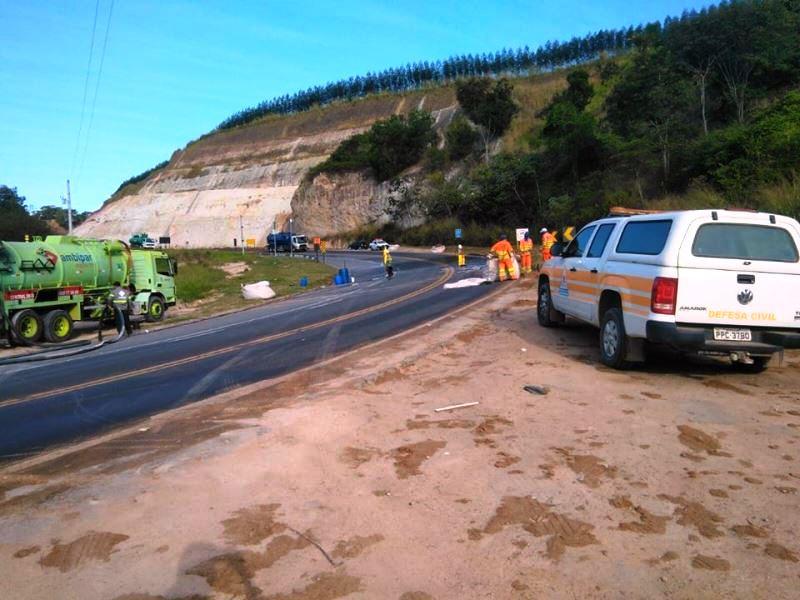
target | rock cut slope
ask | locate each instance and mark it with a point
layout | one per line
(252, 172)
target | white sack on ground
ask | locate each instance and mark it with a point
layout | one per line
(437, 249)
(467, 282)
(490, 270)
(257, 291)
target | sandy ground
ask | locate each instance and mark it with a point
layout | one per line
(675, 480)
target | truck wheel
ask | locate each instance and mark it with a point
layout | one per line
(27, 327)
(613, 340)
(544, 307)
(155, 309)
(57, 326)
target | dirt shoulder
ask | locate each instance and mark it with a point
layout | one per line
(676, 480)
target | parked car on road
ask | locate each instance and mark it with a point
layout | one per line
(149, 244)
(709, 282)
(378, 244)
(359, 245)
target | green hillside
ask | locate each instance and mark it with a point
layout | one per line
(703, 111)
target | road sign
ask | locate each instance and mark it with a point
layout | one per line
(521, 231)
(251, 242)
(569, 233)
(458, 234)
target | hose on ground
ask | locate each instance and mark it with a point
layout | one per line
(49, 354)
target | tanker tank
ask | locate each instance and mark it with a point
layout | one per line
(63, 261)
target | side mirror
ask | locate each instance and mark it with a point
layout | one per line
(557, 249)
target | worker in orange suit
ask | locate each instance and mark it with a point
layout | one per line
(504, 252)
(548, 239)
(525, 254)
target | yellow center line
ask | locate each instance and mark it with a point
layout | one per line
(211, 353)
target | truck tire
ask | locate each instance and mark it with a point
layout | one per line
(613, 340)
(545, 312)
(58, 326)
(155, 309)
(27, 327)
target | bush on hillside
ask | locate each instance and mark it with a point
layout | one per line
(389, 147)
(460, 138)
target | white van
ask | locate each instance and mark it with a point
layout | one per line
(714, 282)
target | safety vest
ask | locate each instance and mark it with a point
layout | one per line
(548, 239)
(503, 249)
(525, 245)
(387, 258)
(120, 297)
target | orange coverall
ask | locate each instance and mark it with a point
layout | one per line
(505, 264)
(525, 250)
(548, 239)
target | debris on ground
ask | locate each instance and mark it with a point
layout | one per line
(536, 389)
(455, 406)
(233, 269)
(257, 291)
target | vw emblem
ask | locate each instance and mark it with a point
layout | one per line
(745, 297)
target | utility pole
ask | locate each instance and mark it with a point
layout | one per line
(69, 210)
(241, 233)
(291, 240)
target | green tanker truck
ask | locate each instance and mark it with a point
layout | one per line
(47, 285)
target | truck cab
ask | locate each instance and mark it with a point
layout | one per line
(714, 282)
(153, 279)
(285, 242)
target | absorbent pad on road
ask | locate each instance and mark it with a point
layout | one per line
(468, 282)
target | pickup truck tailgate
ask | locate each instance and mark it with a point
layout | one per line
(740, 274)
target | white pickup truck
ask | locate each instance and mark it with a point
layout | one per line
(715, 282)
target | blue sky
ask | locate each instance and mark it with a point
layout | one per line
(174, 69)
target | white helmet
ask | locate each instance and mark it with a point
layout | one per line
(543, 230)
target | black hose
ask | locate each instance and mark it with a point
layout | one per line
(43, 355)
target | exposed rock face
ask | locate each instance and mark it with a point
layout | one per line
(331, 204)
(254, 172)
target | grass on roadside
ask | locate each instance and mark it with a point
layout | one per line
(203, 281)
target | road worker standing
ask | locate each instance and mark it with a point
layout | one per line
(525, 252)
(504, 252)
(548, 239)
(462, 259)
(120, 297)
(387, 263)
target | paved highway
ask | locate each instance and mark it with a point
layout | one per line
(67, 399)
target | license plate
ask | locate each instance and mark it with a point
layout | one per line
(732, 335)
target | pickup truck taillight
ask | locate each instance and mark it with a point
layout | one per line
(664, 296)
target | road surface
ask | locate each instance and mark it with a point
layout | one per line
(67, 399)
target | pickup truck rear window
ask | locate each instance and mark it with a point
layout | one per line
(744, 242)
(644, 237)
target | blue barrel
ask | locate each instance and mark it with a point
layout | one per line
(337, 280)
(303, 282)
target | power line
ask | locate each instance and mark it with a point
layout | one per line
(85, 88)
(96, 87)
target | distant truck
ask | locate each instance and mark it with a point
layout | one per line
(142, 240)
(47, 285)
(284, 242)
